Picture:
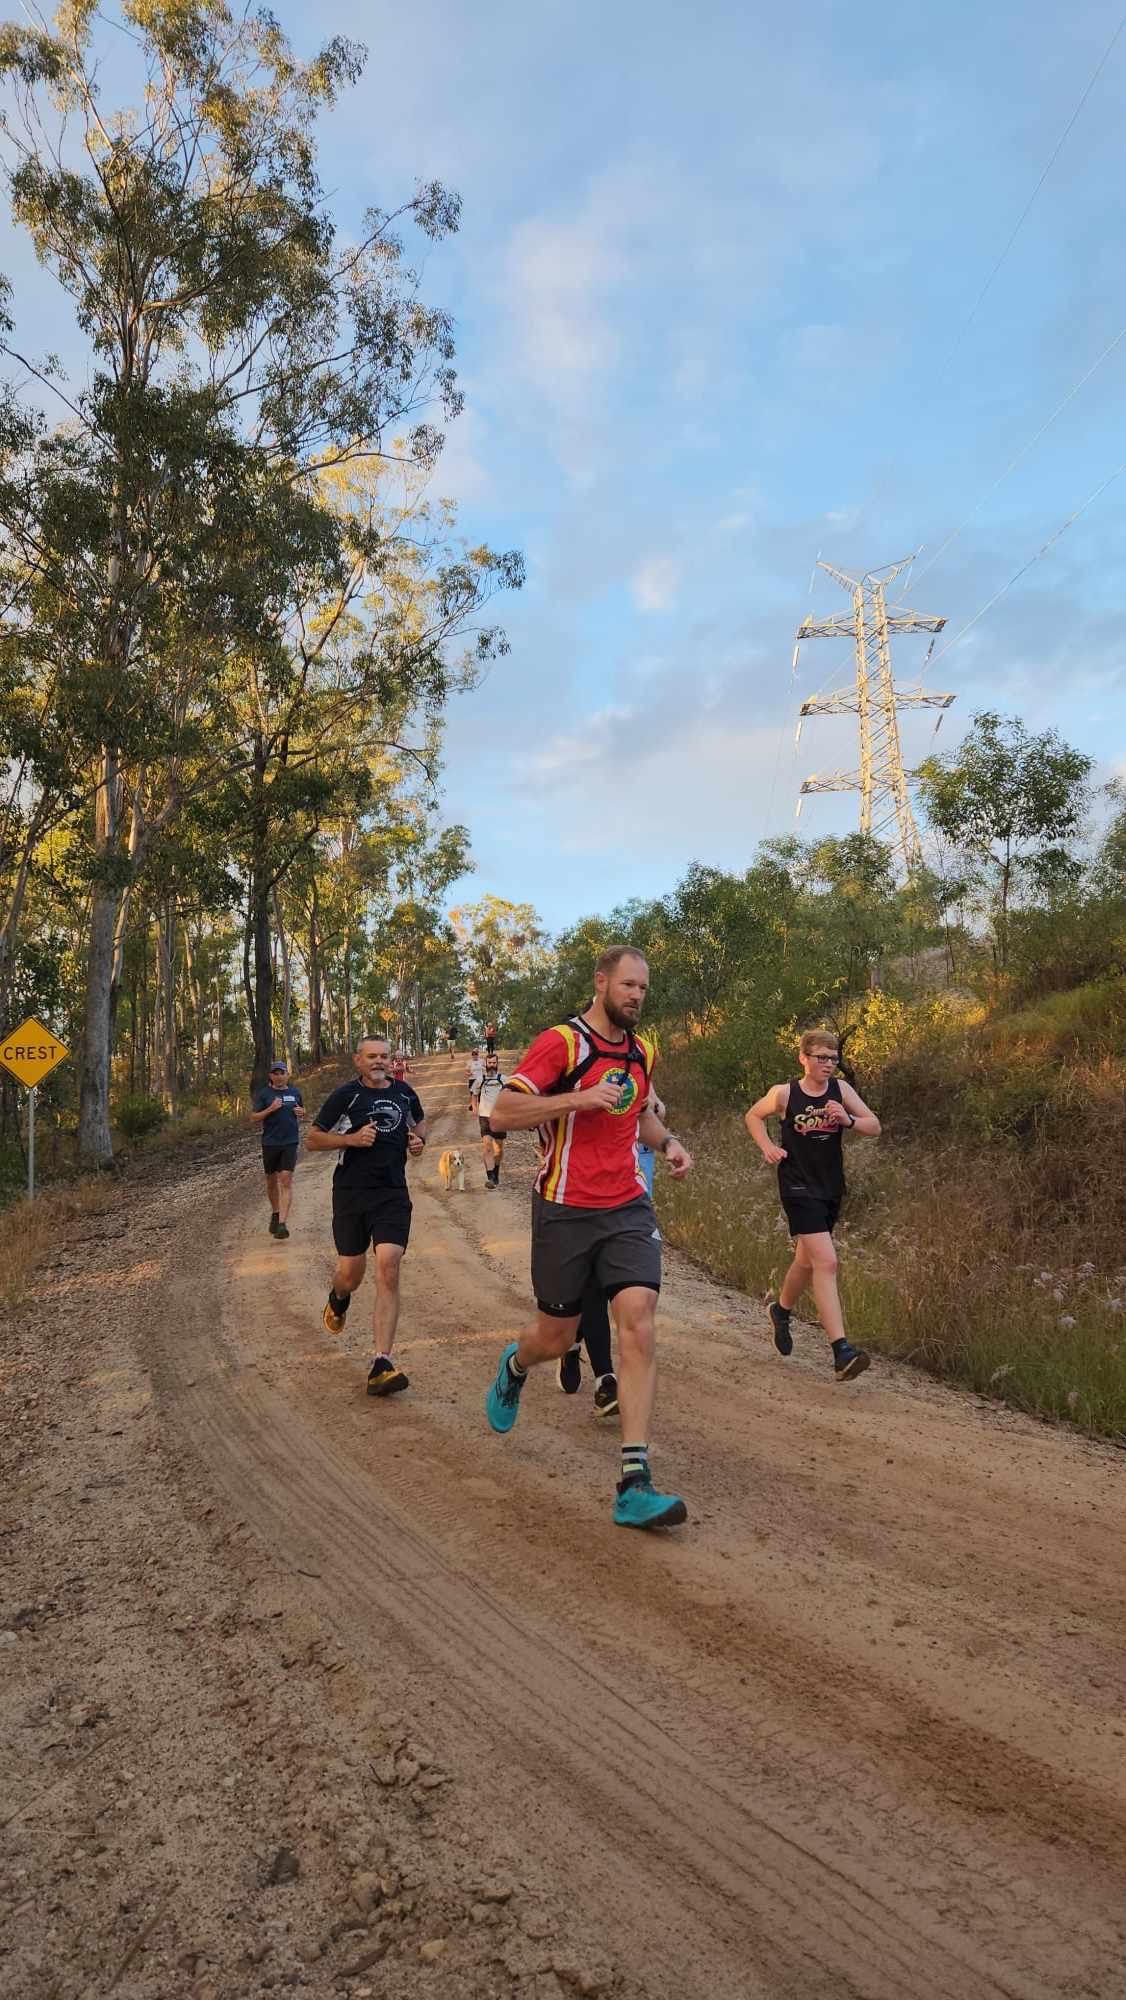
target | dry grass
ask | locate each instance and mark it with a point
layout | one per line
(29, 1230)
(986, 1265)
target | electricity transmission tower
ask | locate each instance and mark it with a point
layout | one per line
(881, 780)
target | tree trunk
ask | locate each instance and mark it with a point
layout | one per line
(166, 952)
(144, 1015)
(198, 1027)
(330, 1013)
(348, 1041)
(1003, 923)
(316, 1049)
(287, 984)
(133, 1034)
(260, 990)
(263, 1026)
(9, 931)
(94, 1141)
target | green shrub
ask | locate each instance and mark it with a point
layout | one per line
(138, 1115)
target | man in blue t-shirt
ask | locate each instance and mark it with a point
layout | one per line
(276, 1107)
(373, 1122)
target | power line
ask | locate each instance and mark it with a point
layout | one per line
(1030, 203)
(1025, 449)
(1025, 567)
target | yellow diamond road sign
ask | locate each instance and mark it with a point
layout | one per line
(31, 1052)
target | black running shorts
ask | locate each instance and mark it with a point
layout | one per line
(487, 1130)
(808, 1215)
(363, 1216)
(573, 1248)
(279, 1159)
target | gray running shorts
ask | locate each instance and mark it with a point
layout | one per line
(573, 1248)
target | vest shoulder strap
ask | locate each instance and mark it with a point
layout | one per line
(584, 1055)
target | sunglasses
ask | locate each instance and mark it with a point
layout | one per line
(824, 1059)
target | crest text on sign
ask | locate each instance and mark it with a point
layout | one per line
(31, 1052)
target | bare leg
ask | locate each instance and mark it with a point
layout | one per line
(797, 1277)
(388, 1258)
(546, 1340)
(349, 1275)
(823, 1258)
(635, 1315)
(272, 1192)
(285, 1195)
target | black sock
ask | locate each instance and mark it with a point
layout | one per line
(836, 1345)
(339, 1305)
(517, 1373)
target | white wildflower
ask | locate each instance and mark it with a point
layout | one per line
(1065, 1319)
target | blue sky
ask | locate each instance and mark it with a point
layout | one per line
(712, 291)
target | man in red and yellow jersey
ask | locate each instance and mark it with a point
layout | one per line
(586, 1086)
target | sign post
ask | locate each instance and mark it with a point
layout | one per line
(31, 1052)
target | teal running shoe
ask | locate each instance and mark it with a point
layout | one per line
(639, 1505)
(502, 1404)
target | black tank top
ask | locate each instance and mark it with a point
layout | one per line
(814, 1162)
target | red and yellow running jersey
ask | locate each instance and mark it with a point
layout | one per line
(589, 1159)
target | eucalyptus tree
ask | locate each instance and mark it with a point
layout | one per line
(234, 340)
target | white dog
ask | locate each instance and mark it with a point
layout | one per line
(451, 1171)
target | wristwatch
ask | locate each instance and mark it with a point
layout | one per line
(666, 1142)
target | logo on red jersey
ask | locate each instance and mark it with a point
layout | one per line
(627, 1084)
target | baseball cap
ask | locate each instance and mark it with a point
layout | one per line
(276, 1066)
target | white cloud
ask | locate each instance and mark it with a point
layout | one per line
(655, 583)
(703, 788)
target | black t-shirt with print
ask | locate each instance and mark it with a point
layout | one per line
(394, 1110)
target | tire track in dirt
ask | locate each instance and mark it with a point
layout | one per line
(663, 1715)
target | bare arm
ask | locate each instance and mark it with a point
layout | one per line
(522, 1110)
(652, 1131)
(319, 1141)
(769, 1105)
(863, 1121)
(259, 1117)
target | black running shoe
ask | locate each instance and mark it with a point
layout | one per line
(273, 1222)
(384, 1379)
(849, 1362)
(570, 1371)
(780, 1321)
(281, 1232)
(606, 1396)
(332, 1318)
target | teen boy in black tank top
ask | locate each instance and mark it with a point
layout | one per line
(815, 1114)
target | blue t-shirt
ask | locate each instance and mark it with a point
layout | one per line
(394, 1110)
(281, 1127)
(646, 1162)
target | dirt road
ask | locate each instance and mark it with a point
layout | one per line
(309, 1691)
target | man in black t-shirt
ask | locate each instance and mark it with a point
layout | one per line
(374, 1122)
(277, 1108)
